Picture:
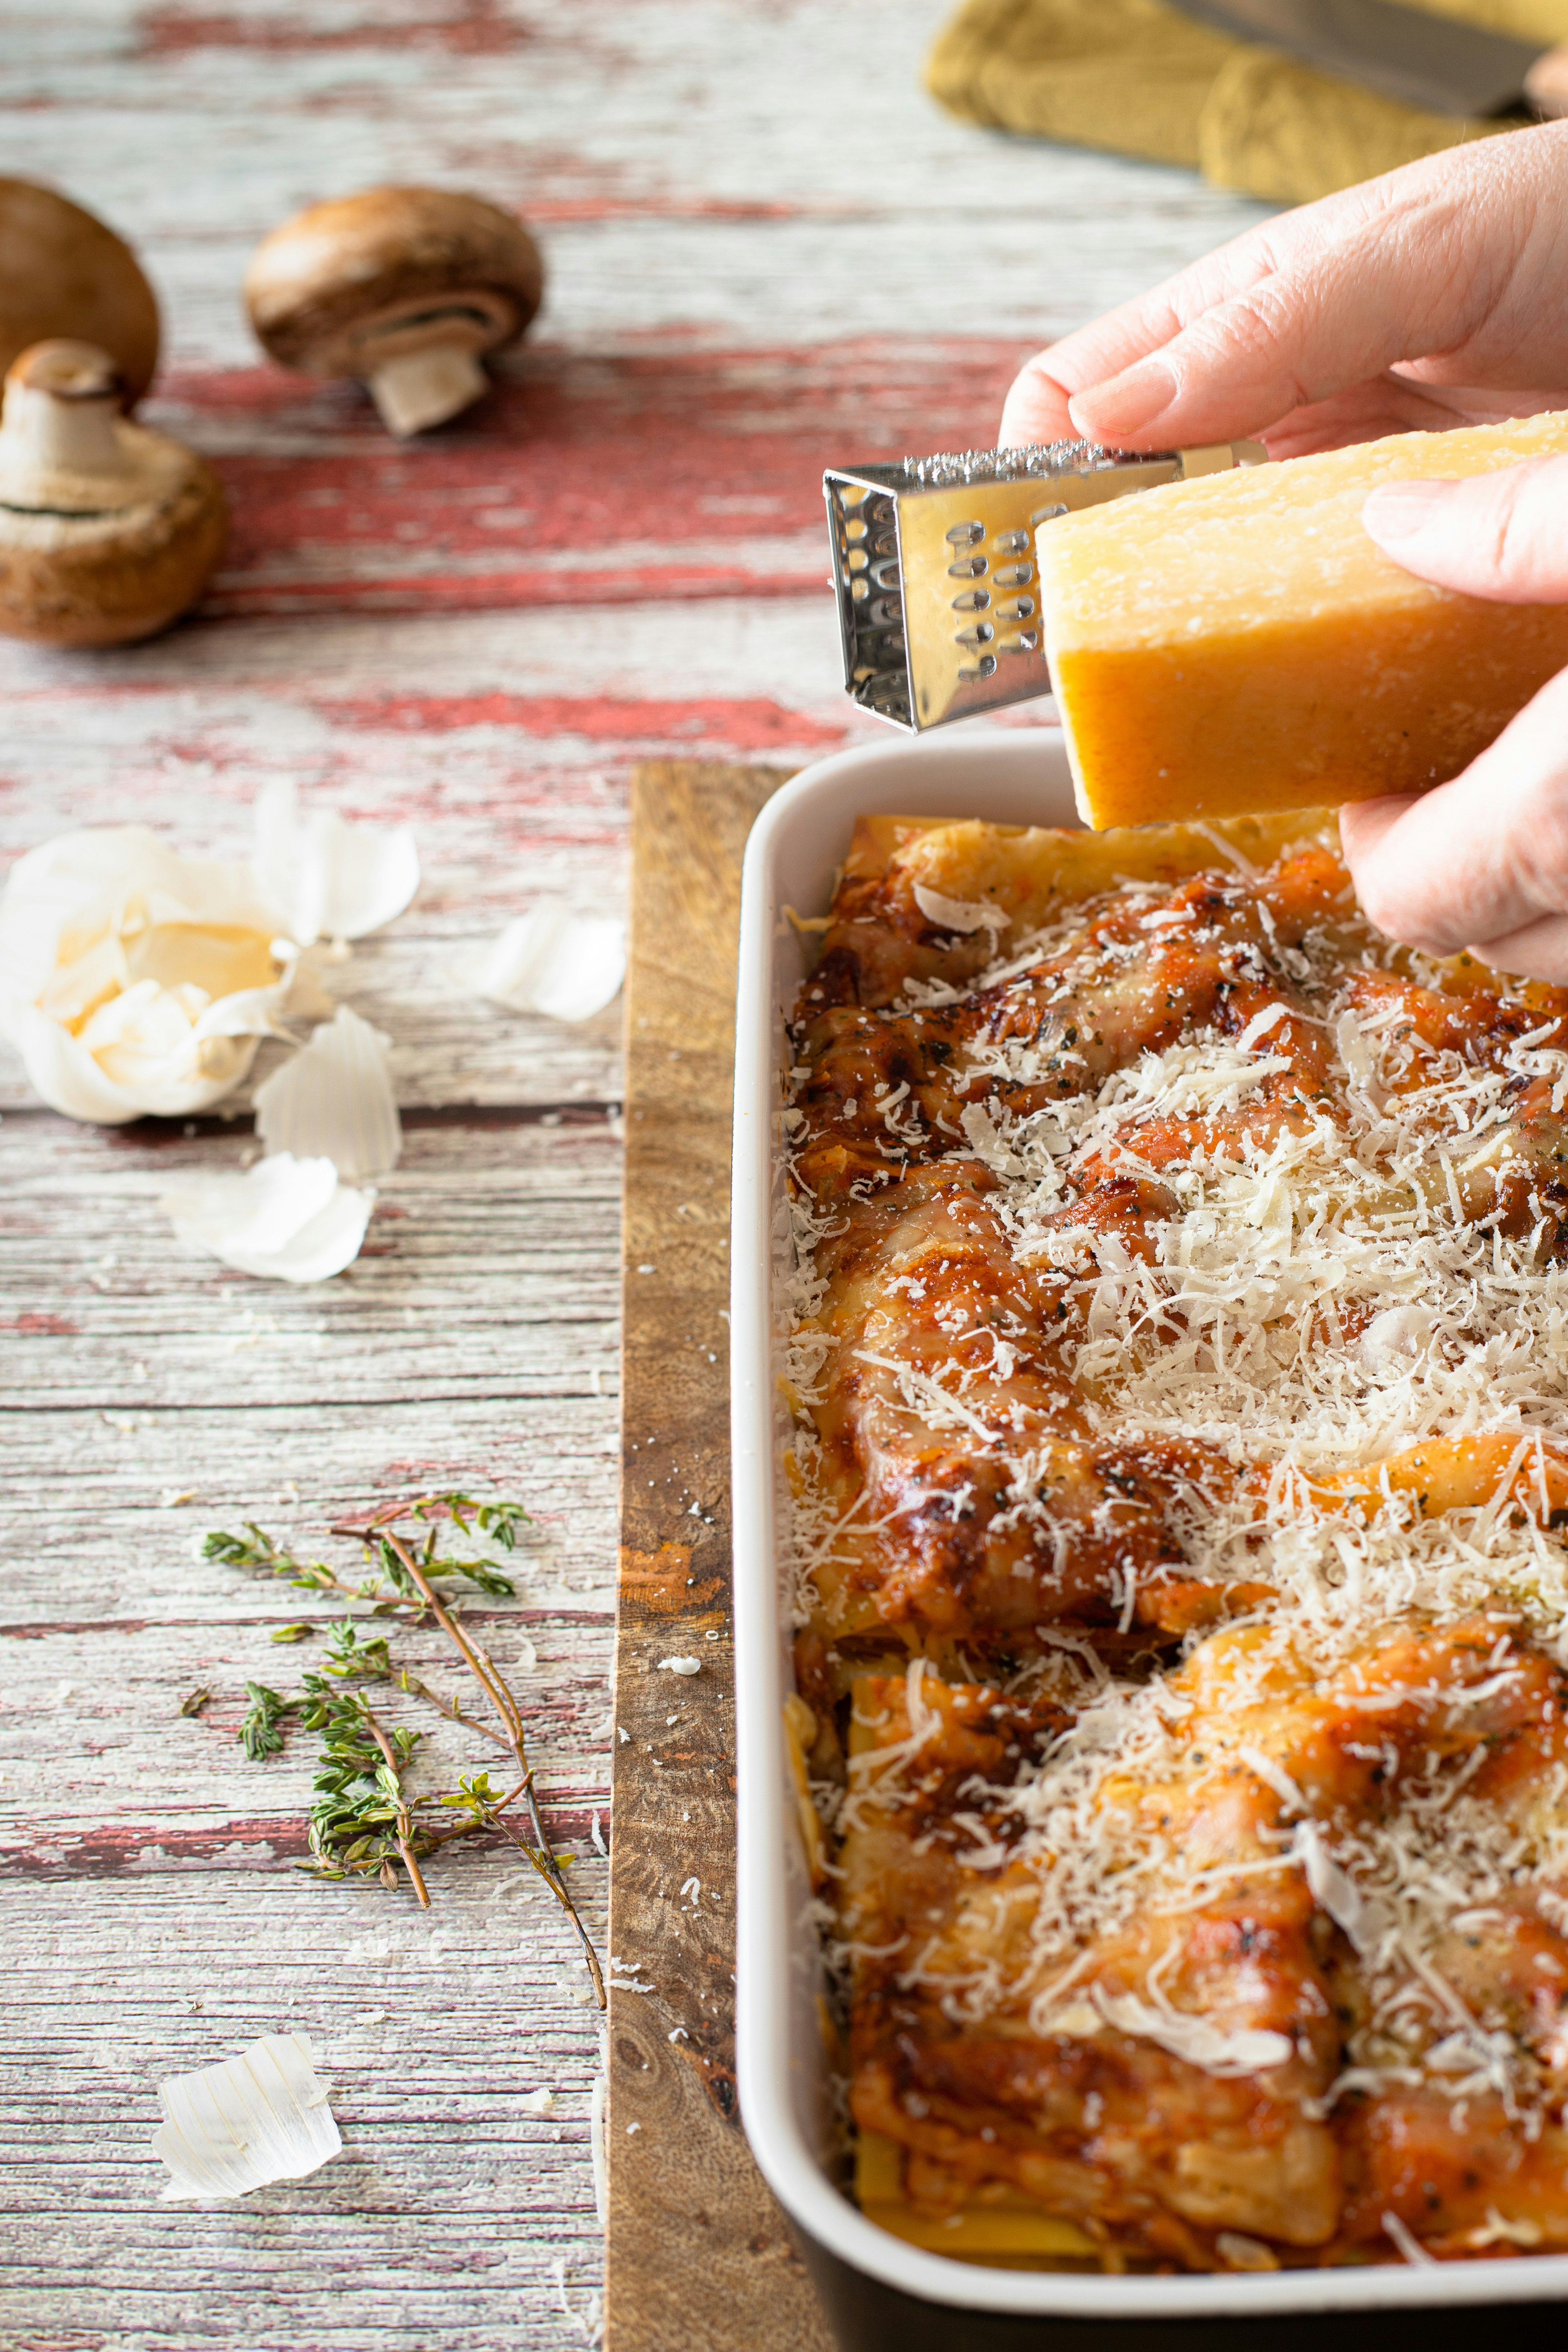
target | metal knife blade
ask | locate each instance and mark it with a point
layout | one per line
(1435, 62)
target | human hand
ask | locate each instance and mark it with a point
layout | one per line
(1428, 298)
(1482, 862)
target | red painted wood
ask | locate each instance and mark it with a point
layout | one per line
(750, 726)
(465, 28)
(582, 479)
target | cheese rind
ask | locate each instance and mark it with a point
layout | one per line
(1240, 643)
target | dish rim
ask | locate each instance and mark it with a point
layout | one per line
(1020, 775)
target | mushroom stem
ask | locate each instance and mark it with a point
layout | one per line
(60, 448)
(423, 388)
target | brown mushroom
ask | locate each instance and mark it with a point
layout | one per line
(108, 531)
(404, 288)
(64, 273)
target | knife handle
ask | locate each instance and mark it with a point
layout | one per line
(1546, 83)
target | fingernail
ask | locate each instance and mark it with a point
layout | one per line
(1400, 509)
(1127, 403)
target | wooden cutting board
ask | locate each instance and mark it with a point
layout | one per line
(699, 2257)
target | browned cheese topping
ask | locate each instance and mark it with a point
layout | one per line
(1179, 1364)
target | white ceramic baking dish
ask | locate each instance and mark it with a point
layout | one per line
(879, 2291)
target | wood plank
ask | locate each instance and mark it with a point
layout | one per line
(160, 1923)
(699, 2258)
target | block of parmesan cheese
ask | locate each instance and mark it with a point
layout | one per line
(1238, 643)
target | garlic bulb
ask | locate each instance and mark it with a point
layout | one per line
(133, 980)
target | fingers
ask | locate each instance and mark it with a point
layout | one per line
(1101, 351)
(1341, 306)
(1288, 315)
(1453, 261)
(1035, 411)
(1499, 535)
(1482, 862)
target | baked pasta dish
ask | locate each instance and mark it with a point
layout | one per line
(1179, 1383)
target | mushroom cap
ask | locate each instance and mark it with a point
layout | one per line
(348, 283)
(63, 273)
(108, 573)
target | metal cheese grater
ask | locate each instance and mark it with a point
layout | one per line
(933, 562)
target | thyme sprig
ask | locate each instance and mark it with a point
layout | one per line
(388, 1587)
(538, 1850)
(363, 1820)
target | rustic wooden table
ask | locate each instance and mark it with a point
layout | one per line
(767, 251)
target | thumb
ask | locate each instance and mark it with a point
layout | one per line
(1501, 535)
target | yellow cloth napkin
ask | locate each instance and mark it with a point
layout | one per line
(1139, 79)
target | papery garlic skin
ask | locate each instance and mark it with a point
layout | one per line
(333, 1099)
(137, 982)
(326, 1114)
(329, 878)
(553, 962)
(285, 1220)
(252, 2119)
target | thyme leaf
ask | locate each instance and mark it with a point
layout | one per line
(262, 1729)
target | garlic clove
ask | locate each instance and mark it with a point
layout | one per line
(550, 960)
(78, 987)
(329, 878)
(126, 1084)
(335, 1099)
(61, 899)
(60, 1068)
(252, 2119)
(219, 958)
(285, 1220)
